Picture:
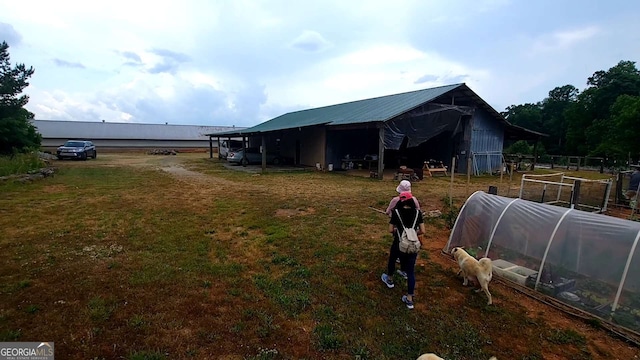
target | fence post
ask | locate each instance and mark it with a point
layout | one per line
(502, 166)
(453, 170)
(578, 167)
(575, 193)
(468, 173)
(535, 155)
(511, 170)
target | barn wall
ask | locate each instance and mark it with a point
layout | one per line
(312, 146)
(487, 141)
(310, 141)
(143, 144)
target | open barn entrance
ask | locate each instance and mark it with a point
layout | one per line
(438, 149)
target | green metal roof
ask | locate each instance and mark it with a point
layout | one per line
(362, 111)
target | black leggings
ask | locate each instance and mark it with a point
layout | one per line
(407, 264)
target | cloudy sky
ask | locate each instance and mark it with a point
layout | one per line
(241, 62)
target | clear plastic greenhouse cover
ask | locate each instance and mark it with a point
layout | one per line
(587, 261)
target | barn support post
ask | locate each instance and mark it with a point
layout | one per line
(381, 151)
(244, 150)
(264, 153)
(453, 170)
(211, 146)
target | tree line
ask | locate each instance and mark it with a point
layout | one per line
(601, 121)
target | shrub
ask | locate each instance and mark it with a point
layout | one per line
(19, 163)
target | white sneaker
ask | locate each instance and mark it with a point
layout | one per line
(402, 273)
(407, 302)
(387, 281)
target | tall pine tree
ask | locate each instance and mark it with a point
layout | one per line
(17, 133)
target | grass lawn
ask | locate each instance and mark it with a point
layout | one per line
(114, 259)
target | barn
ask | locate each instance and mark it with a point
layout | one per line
(406, 129)
(113, 135)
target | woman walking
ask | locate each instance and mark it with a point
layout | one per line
(404, 215)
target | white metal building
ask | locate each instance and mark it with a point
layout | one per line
(127, 135)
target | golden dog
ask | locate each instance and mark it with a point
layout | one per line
(471, 268)
(432, 356)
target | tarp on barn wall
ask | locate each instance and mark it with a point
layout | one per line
(437, 119)
(588, 261)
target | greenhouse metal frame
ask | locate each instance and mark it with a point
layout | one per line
(585, 260)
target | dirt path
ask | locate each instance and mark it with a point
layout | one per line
(171, 164)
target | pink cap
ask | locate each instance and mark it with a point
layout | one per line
(405, 195)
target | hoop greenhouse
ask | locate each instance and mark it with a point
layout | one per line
(585, 260)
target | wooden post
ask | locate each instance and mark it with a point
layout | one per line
(453, 167)
(244, 151)
(211, 147)
(575, 193)
(502, 165)
(535, 155)
(552, 157)
(381, 152)
(468, 173)
(511, 169)
(264, 153)
(601, 166)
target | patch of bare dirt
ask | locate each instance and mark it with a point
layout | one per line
(294, 212)
(183, 174)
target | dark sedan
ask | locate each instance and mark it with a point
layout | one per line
(77, 149)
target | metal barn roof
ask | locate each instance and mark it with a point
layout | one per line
(379, 109)
(362, 111)
(131, 131)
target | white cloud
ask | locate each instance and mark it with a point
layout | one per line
(382, 55)
(378, 70)
(563, 40)
(9, 34)
(242, 62)
(310, 41)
